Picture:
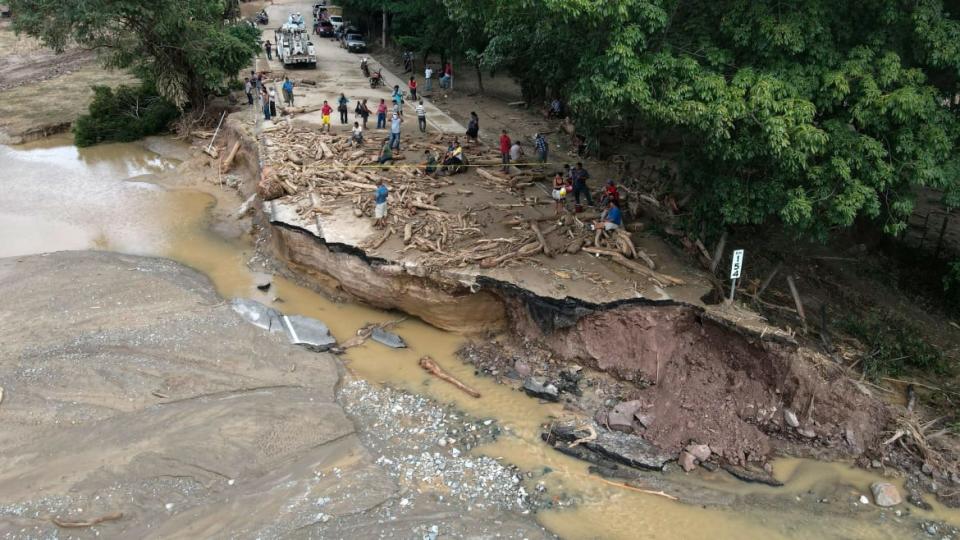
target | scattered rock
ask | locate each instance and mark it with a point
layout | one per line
(700, 451)
(388, 338)
(539, 387)
(791, 418)
(523, 369)
(627, 449)
(864, 499)
(620, 418)
(854, 441)
(646, 419)
(751, 474)
(885, 494)
(710, 466)
(687, 461)
(258, 314)
(309, 333)
(927, 469)
(807, 432)
(262, 281)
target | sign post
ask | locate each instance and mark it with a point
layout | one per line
(735, 267)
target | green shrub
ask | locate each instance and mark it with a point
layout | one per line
(894, 346)
(123, 114)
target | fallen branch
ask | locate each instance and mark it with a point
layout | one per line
(229, 161)
(591, 437)
(431, 367)
(639, 490)
(88, 523)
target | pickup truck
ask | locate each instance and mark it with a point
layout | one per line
(354, 43)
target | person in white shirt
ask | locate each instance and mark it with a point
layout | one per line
(515, 152)
(428, 75)
(357, 137)
(422, 117)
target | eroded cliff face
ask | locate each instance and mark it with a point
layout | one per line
(450, 306)
(699, 380)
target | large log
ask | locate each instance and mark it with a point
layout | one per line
(543, 241)
(227, 163)
(617, 257)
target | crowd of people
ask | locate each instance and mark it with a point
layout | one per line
(569, 180)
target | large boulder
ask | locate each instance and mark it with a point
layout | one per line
(885, 494)
(309, 333)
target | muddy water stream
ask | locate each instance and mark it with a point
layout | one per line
(110, 197)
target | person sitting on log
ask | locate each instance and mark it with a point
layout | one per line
(610, 193)
(454, 161)
(430, 163)
(611, 219)
(386, 153)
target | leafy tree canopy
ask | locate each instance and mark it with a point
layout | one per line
(182, 47)
(812, 113)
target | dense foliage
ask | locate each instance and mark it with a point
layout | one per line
(124, 114)
(184, 47)
(812, 113)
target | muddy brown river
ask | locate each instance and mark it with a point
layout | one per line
(113, 197)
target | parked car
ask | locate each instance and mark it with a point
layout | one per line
(336, 21)
(325, 29)
(355, 43)
(342, 35)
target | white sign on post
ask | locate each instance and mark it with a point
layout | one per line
(737, 264)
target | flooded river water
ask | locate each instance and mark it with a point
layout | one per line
(111, 197)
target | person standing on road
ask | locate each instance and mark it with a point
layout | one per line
(269, 48)
(342, 108)
(248, 88)
(325, 114)
(395, 132)
(428, 77)
(397, 100)
(364, 113)
(541, 144)
(473, 127)
(422, 117)
(273, 102)
(380, 210)
(288, 91)
(382, 114)
(265, 102)
(579, 175)
(412, 85)
(505, 145)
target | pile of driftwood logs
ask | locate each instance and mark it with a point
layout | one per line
(315, 169)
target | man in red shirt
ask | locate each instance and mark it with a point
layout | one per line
(325, 112)
(505, 145)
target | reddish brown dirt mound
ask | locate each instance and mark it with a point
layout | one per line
(702, 382)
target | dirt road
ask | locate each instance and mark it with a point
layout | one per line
(135, 393)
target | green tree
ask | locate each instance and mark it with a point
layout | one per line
(811, 113)
(184, 48)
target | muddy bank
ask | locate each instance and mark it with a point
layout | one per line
(137, 400)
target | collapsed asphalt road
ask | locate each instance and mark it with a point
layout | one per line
(137, 402)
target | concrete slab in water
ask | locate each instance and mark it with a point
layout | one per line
(258, 314)
(388, 338)
(308, 332)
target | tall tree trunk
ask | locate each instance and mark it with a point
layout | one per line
(476, 66)
(384, 28)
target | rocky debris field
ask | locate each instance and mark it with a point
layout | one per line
(426, 448)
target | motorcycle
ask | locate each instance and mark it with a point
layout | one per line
(262, 17)
(365, 67)
(376, 79)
